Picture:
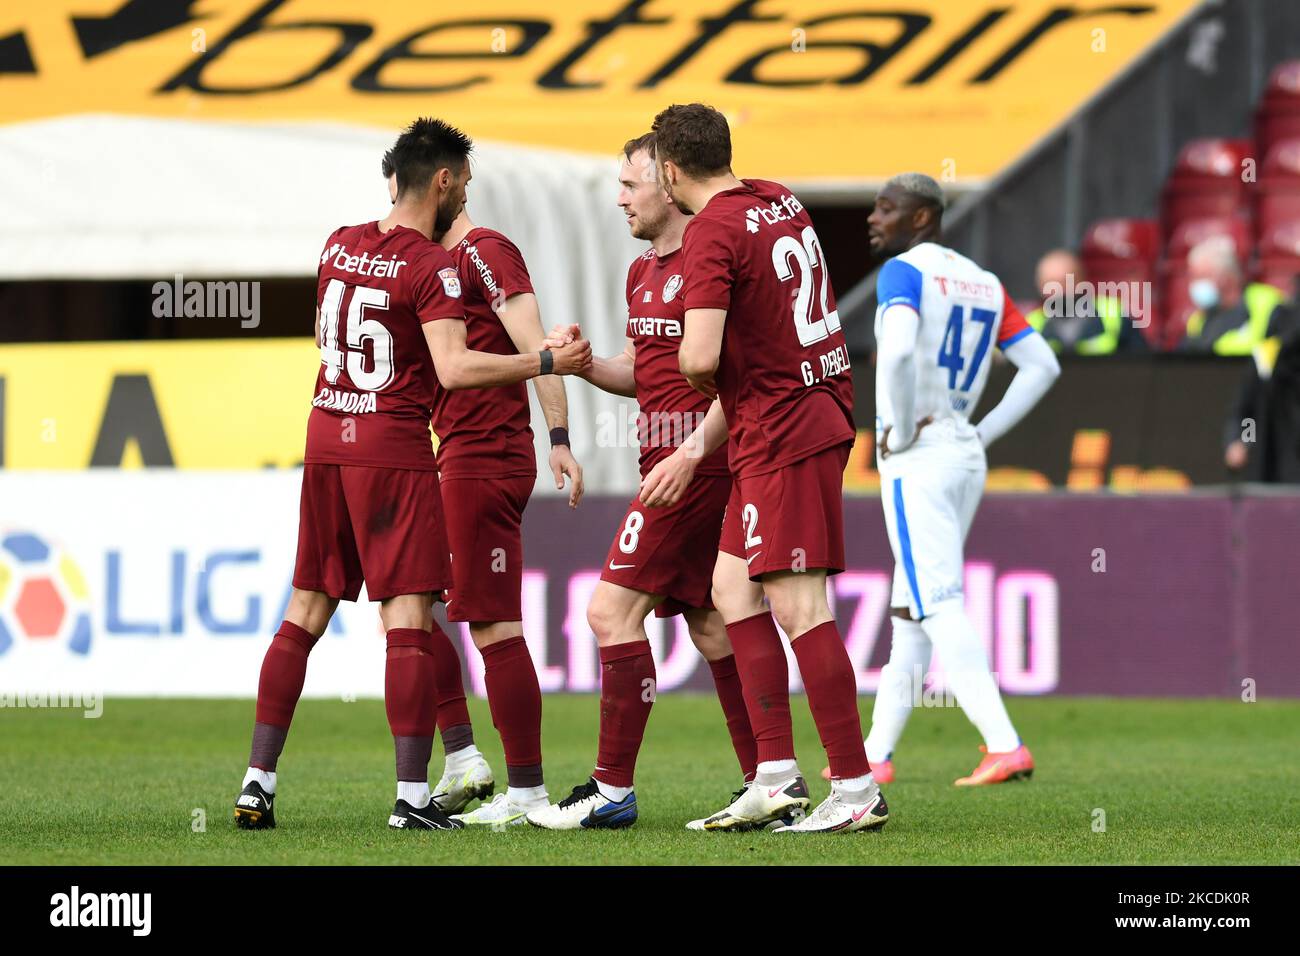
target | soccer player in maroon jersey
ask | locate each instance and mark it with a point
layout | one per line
(662, 557)
(487, 469)
(390, 325)
(755, 270)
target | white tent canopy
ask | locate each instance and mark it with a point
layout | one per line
(113, 197)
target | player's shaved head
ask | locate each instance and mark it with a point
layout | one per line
(908, 211)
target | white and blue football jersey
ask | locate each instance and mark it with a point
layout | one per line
(964, 312)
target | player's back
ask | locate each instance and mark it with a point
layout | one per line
(486, 432)
(374, 391)
(964, 311)
(783, 376)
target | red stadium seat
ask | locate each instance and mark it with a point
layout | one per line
(1283, 239)
(1122, 239)
(1281, 164)
(1192, 232)
(1283, 88)
(1279, 271)
(1273, 126)
(1206, 182)
(1275, 208)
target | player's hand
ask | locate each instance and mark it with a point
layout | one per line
(668, 480)
(885, 450)
(561, 336)
(563, 463)
(572, 359)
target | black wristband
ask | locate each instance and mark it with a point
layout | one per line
(559, 436)
(548, 361)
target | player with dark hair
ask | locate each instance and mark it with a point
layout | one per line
(390, 326)
(754, 267)
(487, 469)
(662, 557)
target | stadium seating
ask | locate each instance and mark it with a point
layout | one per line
(1277, 116)
(1205, 195)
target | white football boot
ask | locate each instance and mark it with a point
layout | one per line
(463, 782)
(766, 800)
(843, 812)
(793, 815)
(586, 808)
(500, 812)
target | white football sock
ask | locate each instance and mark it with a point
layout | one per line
(852, 784)
(528, 796)
(778, 767)
(263, 778)
(611, 792)
(901, 681)
(459, 761)
(415, 793)
(967, 667)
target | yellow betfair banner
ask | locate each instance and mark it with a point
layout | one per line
(202, 404)
(844, 90)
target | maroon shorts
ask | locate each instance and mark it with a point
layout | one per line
(671, 551)
(791, 518)
(380, 525)
(484, 519)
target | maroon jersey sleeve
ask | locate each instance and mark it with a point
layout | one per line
(435, 286)
(710, 269)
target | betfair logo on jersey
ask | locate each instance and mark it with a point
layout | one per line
(780, 210)
(363, 265)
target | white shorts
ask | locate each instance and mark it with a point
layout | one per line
(928, 512)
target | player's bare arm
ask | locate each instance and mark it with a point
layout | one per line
(667, 481)
(522, 318)
(614, 374)
(461, 367)
(701, 348)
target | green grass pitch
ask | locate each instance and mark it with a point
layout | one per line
(1178, 781)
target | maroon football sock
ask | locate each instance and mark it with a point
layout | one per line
(453, 716)
(410, 701)
(627, 692)
(284, 668)
(732, 698)
(765, 681)
(832, 689)
(515, 699)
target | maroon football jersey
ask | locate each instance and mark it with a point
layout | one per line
(374, 392)
(783, 375)
(670, 408)
(484, 432)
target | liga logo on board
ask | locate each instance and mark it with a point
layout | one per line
(43, 594)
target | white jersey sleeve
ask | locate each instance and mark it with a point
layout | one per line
(963, 311)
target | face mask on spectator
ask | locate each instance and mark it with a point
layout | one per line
(1204, 293)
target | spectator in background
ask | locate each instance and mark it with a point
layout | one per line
(1229, 319)
(1262, 433)
(1078, 322)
